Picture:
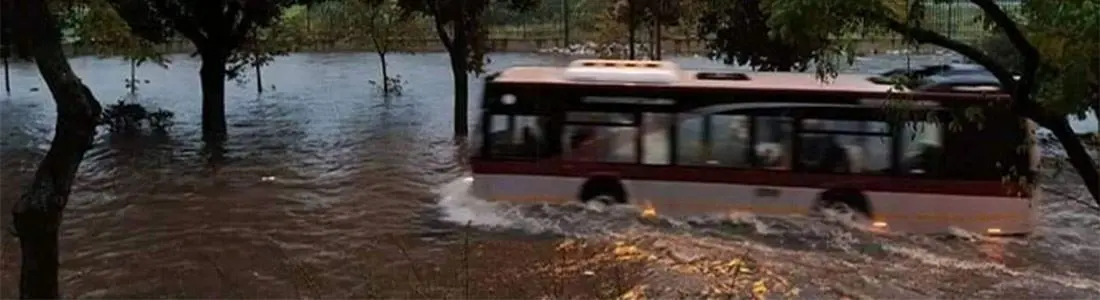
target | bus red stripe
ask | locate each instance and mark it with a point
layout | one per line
(750, 177)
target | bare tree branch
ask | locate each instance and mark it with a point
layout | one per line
(925, 36)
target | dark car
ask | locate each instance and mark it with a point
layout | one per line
(972, 82)
(946, 77)
(953, 69)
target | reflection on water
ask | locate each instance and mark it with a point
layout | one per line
(316, 171)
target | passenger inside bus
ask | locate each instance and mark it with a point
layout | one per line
(774, 143)
(531, 143)
(821, 152)
(519, 138)
(923, 148)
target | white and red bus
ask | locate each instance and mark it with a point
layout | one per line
(689, 142)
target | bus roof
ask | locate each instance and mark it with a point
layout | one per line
(757, 80)
(668, 75)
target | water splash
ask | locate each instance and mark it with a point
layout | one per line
(834, 240)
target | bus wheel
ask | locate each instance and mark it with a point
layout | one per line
(602, 190)
(844, 199)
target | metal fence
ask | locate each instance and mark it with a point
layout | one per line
(962, 19)
(958, 19)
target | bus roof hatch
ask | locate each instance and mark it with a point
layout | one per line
(624, 71)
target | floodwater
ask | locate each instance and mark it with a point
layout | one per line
(321, 177)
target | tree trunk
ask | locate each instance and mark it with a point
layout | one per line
(565, 23)
(1078, 157)
(212, 75)
(5, 43)
(37, 213)
(133, 76)
(459, 66)
(460, 50)
(657, 44)
(632, 27)
(7, 76)
(1095, 106)
(385, 75)
(259, 80)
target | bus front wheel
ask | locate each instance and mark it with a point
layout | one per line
(603, 190)
(844, 199)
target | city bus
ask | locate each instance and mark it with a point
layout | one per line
(675, 142)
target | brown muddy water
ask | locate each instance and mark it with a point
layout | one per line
(325, 190)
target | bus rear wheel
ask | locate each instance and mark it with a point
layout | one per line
(602, 190)
(844, 199)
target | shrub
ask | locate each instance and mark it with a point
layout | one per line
(127, 117)
(391, 85)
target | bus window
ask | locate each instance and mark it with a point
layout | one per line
(985, 148)
(773, 142)
(516, 137)
(656, 143)
(714, 140)
(843, 146)
(922, 143)
(593, 143)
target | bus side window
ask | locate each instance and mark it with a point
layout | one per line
(773, 142)
(593, 143)
(846, 146)
(657, 138)
(922, 143)
(713, 140)
(516, 136)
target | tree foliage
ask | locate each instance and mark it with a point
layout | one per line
(1067, 33)
(101, 28)
(648, 11)
(738, 32)
(464, 18)
(224, 26)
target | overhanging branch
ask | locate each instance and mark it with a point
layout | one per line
(1028, 52)
(246, 24)
(174, 14)
(440, 30)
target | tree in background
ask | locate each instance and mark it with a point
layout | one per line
(38, 212)
(101, 28)
(385, 28)
(654, 14)
(260, 50)
(329, 25)
(460, 26)
(1036, 96)
(219, 30)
